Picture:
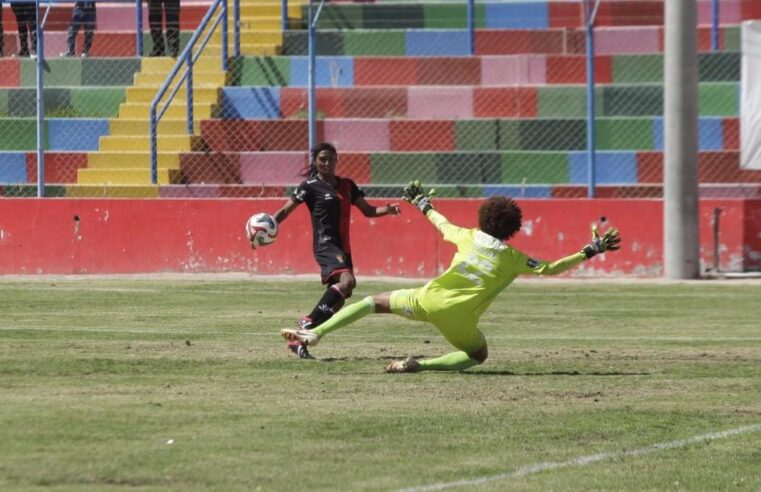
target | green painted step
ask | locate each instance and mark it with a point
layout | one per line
(375, 43)
(260, 71)
(76, 72)
(468, 167)
(712, 67)
(398, 168)
(18, 134)
(715, 99)
(624, 134)
(534, 168)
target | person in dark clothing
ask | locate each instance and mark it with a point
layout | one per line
(329, 198)
(1, 28)
(83, 15)
(164, 11)
(26, 19)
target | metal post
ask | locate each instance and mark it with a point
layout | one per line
(236, 32)
(471, 26)
(154, 147)
(284, 14)
(225, 40)
(311, 81)
(189, 93)
(680, 162)
(590, 15)
(139, 27)
(40, 80)
(714, 25)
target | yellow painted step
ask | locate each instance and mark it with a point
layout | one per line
(144, 94)
(269, 10)
(143, 143)
(112, 191)
(250, 37)
(176, 110)
(127, 176)
(125, 126)
(163, 64)
(101, 160)
(200, 79)
(249, 49)
(271, 23)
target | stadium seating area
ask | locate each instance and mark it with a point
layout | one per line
(397, 92)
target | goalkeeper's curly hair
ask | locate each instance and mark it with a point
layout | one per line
(500, 217)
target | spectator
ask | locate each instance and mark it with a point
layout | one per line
(82, 15)
(1, 28)
(164, 11)
(26, 19)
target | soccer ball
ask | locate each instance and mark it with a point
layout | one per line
(261, 229)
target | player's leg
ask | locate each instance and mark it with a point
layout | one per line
(336, 271)
(464, 335)
(340, 287)
(379, 303)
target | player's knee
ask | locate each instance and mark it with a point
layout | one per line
(347, 285)
(480, 355)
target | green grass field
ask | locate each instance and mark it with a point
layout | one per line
(184, 384)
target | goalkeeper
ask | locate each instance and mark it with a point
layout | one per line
(483, 266)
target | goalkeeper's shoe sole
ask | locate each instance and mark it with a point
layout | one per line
(299, 349)
(305, 337)
(407, 365)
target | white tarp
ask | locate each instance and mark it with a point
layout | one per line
(750, 96)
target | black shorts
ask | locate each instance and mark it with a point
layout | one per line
(333, 261)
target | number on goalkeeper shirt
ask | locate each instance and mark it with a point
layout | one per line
(474, 268)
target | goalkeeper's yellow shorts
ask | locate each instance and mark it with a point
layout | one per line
(461, 331)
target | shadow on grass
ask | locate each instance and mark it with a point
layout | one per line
(361, 359)
(488, 372)
(555, 373)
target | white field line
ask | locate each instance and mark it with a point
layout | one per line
(586, 460)
(369, 336)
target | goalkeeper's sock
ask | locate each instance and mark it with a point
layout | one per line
(329, 304)
(453, 361)
(347, 315)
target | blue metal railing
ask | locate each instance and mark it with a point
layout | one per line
(188, 57)
(714, 25)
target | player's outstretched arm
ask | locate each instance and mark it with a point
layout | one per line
(609, 241)
(286, 210)
(373, 211)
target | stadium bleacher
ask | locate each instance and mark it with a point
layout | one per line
(397, 92)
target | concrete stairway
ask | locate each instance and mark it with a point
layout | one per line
(124, 155)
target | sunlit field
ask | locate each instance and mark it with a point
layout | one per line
(185, 384)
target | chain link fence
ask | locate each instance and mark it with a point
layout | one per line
(397, 92)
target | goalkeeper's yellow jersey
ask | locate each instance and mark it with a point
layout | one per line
(482, 267)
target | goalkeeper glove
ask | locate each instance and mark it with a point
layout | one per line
(610, 241)
(413, 193)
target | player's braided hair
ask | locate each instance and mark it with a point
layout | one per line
(310, 171)
(499, 217)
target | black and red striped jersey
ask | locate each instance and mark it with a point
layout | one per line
(330, 209)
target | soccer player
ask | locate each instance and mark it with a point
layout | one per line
(329, 198)
(483, 266)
